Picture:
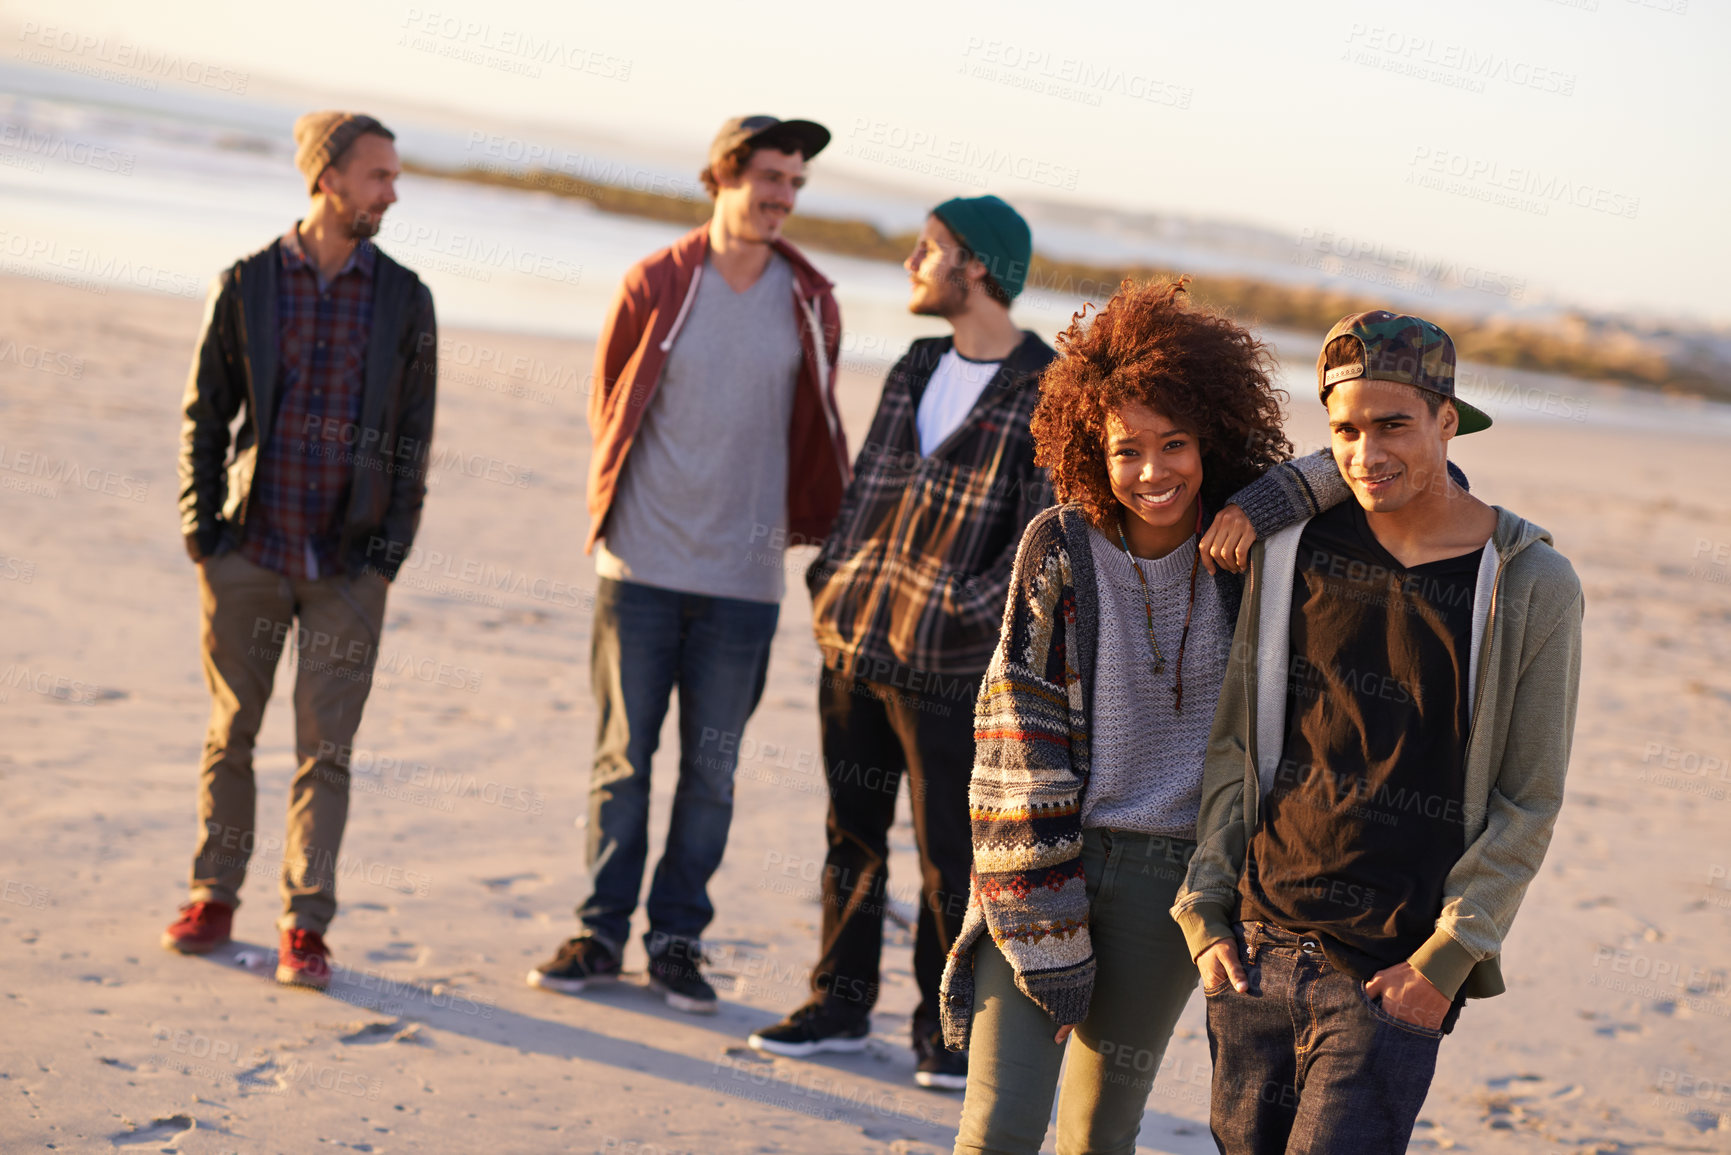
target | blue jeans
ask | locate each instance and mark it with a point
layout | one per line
(1306, 1063)
(646, 642)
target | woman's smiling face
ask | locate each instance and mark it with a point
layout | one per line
(1154, 466)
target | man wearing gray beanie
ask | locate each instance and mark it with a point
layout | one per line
(323, 347)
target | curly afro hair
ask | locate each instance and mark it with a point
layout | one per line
(1150, 346)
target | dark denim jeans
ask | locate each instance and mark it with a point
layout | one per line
(646, 642)
(1306, 1063)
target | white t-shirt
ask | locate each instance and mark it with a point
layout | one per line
(950, 395)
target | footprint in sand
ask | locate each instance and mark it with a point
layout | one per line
(398, 952)
(161, 1130)
(513, 884)
(1522, 1102)
(397, 1031)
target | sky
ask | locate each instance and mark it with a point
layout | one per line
(1574, 146)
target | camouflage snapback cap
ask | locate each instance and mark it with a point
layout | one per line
(1395, 347)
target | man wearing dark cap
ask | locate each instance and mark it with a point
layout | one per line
(716, 442)
(323, 347)
(1386, 766)
(907, 597)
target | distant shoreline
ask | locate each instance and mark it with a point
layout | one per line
(1569, 346)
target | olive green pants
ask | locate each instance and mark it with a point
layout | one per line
(250, 615)
(1143, 977)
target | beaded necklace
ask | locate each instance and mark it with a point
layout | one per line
(1148, 608)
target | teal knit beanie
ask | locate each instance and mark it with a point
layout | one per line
(996, 233)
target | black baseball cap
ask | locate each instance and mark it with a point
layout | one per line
(807, 136)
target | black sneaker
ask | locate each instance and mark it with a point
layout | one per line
(811, 1029)
(676, 976)
(578, 963)
(939, 1069)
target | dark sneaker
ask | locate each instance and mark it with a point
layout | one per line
(578, 963)
(200, 929)
(676, 976)
(303, 960)
(939, 1069)
(813, 1029)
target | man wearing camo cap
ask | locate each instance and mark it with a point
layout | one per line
(1386, 766)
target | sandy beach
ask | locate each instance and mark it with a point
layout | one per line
(462, 859)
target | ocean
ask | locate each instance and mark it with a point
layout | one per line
(114, 188)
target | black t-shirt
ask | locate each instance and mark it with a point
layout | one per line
(1363, 821)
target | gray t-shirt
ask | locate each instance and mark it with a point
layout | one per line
(1145, 758)
(702, 504)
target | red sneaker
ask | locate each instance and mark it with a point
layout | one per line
(200, 929)
(303, 960)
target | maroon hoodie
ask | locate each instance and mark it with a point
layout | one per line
(647, 314)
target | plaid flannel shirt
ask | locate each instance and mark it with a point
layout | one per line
(913, 579)
(302, 487)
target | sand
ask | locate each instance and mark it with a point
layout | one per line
(463, 853)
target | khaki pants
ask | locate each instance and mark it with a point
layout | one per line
(1143, 977)
(249, 615)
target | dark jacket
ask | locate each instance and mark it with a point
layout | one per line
(235, 372)
(638, 334)
(913, 578)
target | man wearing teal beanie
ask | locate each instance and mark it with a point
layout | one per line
(908, 593)
(997, 235)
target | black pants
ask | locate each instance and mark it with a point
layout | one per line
(872, 735)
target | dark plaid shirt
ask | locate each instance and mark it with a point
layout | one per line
(300, 493)
(913, 578)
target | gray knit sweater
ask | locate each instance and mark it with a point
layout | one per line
(1146, 771)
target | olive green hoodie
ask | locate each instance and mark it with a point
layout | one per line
(1523, 678)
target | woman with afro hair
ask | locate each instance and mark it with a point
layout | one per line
(1160, 427)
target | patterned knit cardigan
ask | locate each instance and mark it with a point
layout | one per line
(1031, 748)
